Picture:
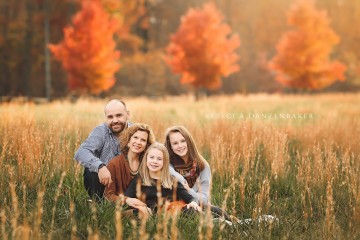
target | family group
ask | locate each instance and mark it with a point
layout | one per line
(124, 163)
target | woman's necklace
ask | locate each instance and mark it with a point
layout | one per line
(133, 172)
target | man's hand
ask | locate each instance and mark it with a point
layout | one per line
(104, 176)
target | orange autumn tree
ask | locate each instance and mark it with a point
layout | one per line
(302, 59)
(88, 50)
(201, 50)
(128, 14)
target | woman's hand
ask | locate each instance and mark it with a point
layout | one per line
(144, 211)
(194, 205)
(135, 203)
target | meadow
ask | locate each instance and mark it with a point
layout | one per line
(296, 157)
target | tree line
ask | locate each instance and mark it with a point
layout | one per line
(144, 30)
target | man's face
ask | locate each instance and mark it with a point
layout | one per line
(116, 117)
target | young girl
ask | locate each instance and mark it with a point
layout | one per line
(193, 170)
(133, 143)
(154, 173)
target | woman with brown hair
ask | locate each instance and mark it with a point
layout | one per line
(133, 143)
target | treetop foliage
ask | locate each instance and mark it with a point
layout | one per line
(88, 50)
(302, 59)
(201, 50)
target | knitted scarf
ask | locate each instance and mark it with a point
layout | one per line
(190, 171)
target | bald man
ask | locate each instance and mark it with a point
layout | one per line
(101, 146)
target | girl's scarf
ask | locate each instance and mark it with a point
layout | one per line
(190, 171)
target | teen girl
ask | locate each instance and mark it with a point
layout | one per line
(193, 170)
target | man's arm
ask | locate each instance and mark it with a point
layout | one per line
(89, 151)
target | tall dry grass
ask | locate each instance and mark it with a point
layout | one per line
(304, 170)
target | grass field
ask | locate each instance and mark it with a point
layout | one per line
(293, 156)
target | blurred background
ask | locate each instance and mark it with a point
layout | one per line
(142, 34)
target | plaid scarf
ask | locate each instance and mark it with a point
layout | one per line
(190, 171)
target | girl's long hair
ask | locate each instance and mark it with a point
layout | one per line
(193, 152)
(166, 179)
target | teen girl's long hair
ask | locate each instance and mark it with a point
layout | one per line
(193, 152)
(166, 179)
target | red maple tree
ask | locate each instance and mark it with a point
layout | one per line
(302, 59)
(88, 50)
(201, 51)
